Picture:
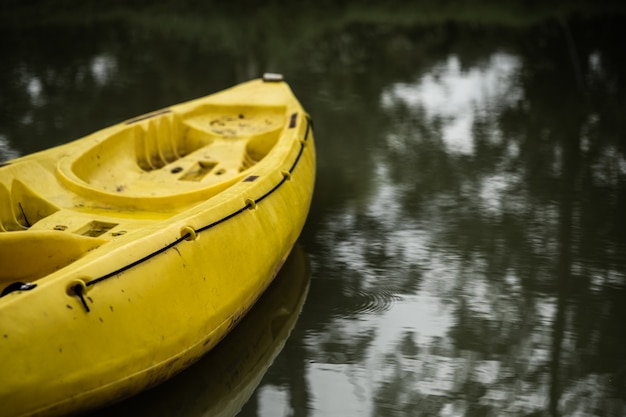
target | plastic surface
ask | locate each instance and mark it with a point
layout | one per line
(173, 222)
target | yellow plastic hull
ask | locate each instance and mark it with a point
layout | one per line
(131, 252)
(221, 382)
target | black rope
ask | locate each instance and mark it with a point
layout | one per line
(223, 219)
(79, 291)
(137, 262)
(184, 237)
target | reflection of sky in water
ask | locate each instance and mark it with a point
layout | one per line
(452, 94)
(6, 151)
(34, 89)
(103, 68)
(425, 319)
(100, 70)
(427, 316)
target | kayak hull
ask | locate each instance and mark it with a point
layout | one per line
(148, 273)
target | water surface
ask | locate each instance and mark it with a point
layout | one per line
(467, 239)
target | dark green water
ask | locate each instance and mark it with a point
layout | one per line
(467, 238)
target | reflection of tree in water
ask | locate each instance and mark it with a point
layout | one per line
(532, 217)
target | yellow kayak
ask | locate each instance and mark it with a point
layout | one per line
(128, 254)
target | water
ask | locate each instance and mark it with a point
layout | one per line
(467, 243)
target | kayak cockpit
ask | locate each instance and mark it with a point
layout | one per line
(189, 155)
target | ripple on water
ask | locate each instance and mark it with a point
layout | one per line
(366, 301)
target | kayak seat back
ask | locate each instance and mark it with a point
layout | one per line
(29, 255)
(21, 207)
(8, 219)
